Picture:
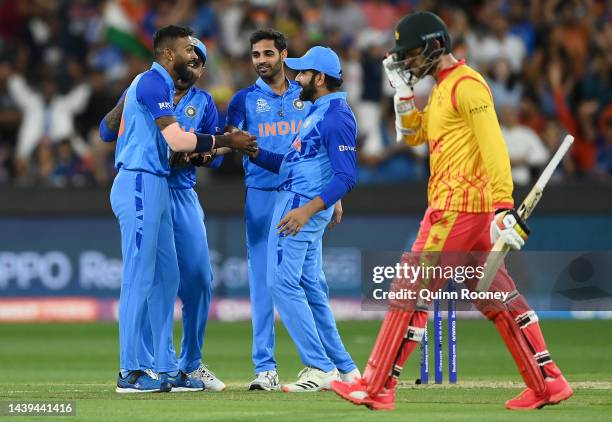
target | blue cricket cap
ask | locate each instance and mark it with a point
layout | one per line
(321, 59)
(200, 49)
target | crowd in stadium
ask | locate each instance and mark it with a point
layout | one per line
(64, 64)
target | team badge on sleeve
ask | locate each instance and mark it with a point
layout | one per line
(298, 104)
(190, 111)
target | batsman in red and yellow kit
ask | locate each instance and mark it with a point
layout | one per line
(470, 206)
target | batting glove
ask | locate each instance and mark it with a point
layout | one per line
(403, 101)
(509, 226)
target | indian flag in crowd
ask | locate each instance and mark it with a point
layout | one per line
(123, 20)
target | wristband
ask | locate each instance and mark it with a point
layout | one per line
(106, 134)
(204, 142)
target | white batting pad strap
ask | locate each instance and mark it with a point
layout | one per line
(415, 333)
(524, 320)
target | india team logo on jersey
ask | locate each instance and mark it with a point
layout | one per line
(298, 104)
(190, 111)
(262, 106)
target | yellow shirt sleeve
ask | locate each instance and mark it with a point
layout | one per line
(414, 121)
(472, 99)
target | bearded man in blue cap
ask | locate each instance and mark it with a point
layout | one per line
(316, 172)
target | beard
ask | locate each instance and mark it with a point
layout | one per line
(183, 84)
(184, 72)
(309, 91)
(272, 71)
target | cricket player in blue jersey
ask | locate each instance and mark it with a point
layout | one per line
(196, 112)
(316, 172)
(140, 198)
(273, 111)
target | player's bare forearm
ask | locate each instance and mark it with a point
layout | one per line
(165, 121)
(113, 117)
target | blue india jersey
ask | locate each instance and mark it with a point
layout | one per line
(140, 144)
(323, 150)
(273, 118)
(195, 112)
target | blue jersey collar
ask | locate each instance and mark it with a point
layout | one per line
(162, 71)
(329, 97)
(266, 88)
(188, 95)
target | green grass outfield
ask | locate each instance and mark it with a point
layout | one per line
(79, 362)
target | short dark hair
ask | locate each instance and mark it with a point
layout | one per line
(167, 34)
(332, 84)
(280, 41)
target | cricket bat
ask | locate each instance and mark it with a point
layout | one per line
(500, 248)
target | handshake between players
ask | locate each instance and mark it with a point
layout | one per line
(236, 140)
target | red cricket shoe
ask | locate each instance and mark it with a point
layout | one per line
(357, 394)
(558, 390)
(385, 400)
(528, 399)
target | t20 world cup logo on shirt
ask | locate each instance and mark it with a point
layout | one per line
(262, 106)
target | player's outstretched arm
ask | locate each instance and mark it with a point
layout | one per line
(181, 141)
(157, 101)
(267, 159)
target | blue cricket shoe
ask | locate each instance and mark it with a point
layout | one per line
(180, 383)
(138, 382)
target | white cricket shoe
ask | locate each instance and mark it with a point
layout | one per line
(210, 380)
(312, 379)
(267, 381)
(351, 377)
